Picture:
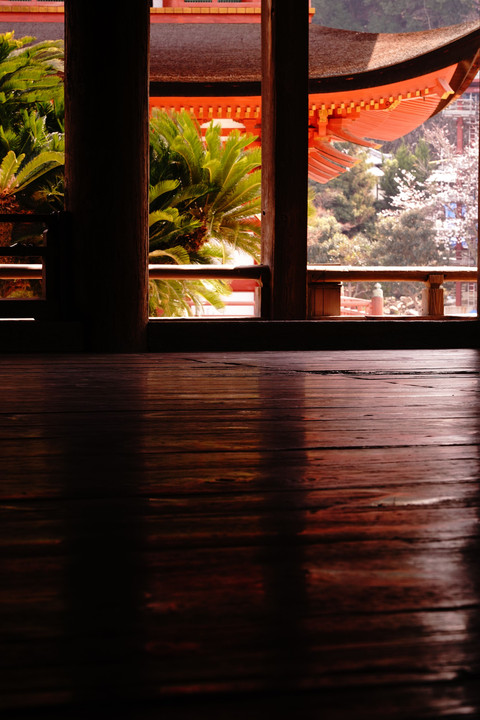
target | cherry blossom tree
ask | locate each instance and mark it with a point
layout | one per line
(447, 197)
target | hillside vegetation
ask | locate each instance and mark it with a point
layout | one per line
(394, 15)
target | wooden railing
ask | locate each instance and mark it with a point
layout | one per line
(324, 281)
(325, 284)
(52, 301)
(204, 272)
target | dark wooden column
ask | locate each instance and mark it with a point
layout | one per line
(107, 52)
(285, 156)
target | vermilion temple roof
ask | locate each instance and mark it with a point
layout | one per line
(364, 87)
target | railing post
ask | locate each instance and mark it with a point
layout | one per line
(46, 284)
(257, 301)
(58, 258)
(324, 299)
(377, 300)
(433, 296)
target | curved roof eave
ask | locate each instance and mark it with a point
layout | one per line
(226, 60)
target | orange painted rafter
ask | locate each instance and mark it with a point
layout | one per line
(214, 13)
(330, 153)
(318, 160)
(359, 116)
(246, 110)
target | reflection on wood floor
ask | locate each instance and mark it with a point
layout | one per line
(270, 535)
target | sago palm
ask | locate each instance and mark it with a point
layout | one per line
(30, 76)
(31, 132)
(172, 235)
(17, 177)
(204, 200)
(31, 136)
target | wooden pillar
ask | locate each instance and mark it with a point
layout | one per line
(433, 296)
(106, 94)
(285, 156)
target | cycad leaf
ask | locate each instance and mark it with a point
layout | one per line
(39, 166)
(8, 169)
(168, 215)
(178, 254)
(162, 188)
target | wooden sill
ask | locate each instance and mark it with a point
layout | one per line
(166, 335)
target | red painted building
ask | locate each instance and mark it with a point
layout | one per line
(365, 88)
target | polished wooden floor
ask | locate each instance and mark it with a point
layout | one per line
(271, 535)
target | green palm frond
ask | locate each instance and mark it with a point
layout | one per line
(165, 235)
(39, 166)
(30, 75)
(213, 141)
(162, 188)
(246, 212)
(16, 175)
(178, 254)
(187, 151)
(213, 166)
(184, 298)
(193, 196)
(215, 252)
(170, 215)
(237, 198)
(8, 140)
(8, 170)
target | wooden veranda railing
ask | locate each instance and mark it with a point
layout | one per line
(48, 266)
(325, 284)
(324, 281)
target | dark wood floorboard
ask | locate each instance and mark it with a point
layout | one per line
(260, 535)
